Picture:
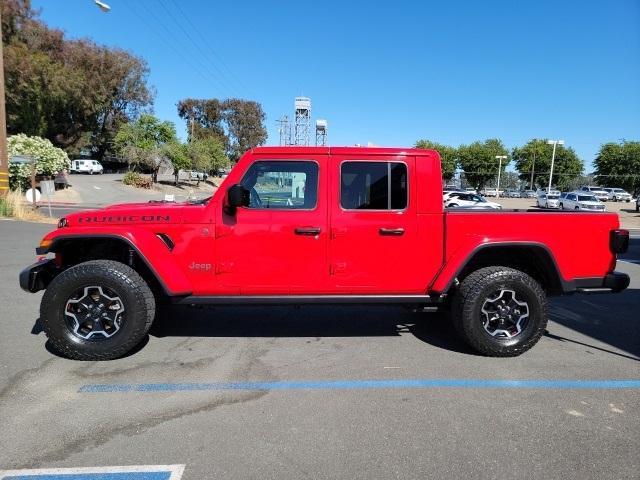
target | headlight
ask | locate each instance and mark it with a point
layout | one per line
(63, 223)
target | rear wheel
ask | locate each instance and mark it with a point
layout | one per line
(97, 310)
(500, 311)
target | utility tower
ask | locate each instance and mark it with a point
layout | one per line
(284, 130)
(302, 121)
(321, 133)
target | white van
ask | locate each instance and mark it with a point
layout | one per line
(86, 166)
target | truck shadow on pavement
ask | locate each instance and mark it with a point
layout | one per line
(308, 321)
(612, 319)
(608, 319)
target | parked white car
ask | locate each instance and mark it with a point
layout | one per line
(581, 201)
(86, 166)
(548, 200)
(597, 192)
(446, 193)
(470, 200)
(617, 194)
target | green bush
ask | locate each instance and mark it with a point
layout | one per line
(136, 180)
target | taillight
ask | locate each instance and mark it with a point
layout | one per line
(619, 241)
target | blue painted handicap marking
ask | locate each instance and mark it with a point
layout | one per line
(136, 472)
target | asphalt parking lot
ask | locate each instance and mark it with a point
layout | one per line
(321, 392)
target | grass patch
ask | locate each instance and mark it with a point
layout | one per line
(14, 206)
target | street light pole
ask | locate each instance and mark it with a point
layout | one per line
(500, 158)
(553, 157)
(533, 168)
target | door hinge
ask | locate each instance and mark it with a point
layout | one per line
(338, 267)
(224, 267)
(222, 230)
(338, 232)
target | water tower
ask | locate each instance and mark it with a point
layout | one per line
(302, 121)
(321, 133)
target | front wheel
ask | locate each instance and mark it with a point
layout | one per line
(500, 311)
(97, 310)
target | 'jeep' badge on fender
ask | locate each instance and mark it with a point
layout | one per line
(200, 266)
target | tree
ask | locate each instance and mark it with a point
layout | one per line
(619, 165)
(448, 156)
(238, 124)
(245, 124)
(73, 92)
(142, 141)
(566, 165)
(204, 117)
(207, 155)
(49, 159)
(178, 154)
(479, 161)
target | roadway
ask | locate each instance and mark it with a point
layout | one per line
(321, 392)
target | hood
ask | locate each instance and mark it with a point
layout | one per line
(128, 213)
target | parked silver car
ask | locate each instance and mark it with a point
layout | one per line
(597, 192)
(548, 200)
(581, 201)
(617, 194)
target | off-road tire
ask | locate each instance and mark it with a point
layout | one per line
(470, 297)
(135, 294)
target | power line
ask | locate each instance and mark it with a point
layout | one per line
(213, 52)
(220, 73)
(195, 66)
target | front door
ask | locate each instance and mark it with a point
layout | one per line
(374, 227)
(278, 244)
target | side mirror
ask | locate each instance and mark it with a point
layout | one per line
(237, 196)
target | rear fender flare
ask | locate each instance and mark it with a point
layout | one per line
(448, 275)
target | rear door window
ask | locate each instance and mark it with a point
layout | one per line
(373, 186)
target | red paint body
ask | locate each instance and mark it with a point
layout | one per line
(255, 251)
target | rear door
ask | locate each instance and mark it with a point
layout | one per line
(373, 225)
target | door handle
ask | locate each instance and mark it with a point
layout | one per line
(391, 232)
(308, 231)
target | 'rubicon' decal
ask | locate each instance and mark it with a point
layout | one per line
(124, 218)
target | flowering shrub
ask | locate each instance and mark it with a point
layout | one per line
(49, 159)
(136, 180)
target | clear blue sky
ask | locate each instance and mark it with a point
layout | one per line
(391, 72)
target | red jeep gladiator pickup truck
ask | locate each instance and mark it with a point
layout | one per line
(315, 225)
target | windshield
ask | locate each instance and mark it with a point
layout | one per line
(587, 198)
